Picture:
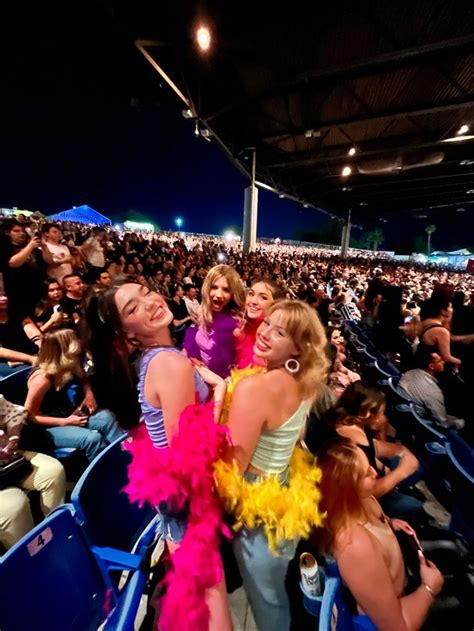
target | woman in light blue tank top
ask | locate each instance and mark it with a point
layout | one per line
(266, 418)
(133, 315)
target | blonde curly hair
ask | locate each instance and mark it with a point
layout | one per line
(304, 327)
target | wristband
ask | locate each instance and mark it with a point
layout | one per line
(429, 590)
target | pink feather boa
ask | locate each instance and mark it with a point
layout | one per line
(178, 474)
(246, 337)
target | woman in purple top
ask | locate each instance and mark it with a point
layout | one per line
(223, 303)
(131, 315)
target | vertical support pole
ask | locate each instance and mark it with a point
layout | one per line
(251, 211)
(346, 236)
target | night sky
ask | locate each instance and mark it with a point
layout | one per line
(85, 121)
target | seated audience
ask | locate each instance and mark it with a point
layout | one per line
(362, 539)
(73, 302)
(358, 415)
(421, 386)
(44, 474)
(60, 398)
(191, 301)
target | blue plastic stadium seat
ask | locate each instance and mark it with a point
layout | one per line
(51, 581)
(332, 609)
(462, 490)
(462, 451)
(109, 520)
(14, 386)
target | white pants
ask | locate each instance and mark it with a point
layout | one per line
(48, 478)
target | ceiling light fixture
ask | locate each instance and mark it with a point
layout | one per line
(203, 38)
(305, 205)
(346, 171)
(470, 191)
(196, 129)
(352, 151)
(281, 196)
(462, 130)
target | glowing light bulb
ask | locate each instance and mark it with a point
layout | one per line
(203, 38)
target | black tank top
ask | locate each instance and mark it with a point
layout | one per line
(369, 451)
(429, 348)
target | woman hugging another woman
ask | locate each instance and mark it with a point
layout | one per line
(274, 502)
(129, 316)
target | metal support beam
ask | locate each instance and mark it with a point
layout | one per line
(346, 236)
(394, 113)
(363, 68)
(251, 211)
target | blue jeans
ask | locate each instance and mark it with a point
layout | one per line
(263, 575)
(101, 430)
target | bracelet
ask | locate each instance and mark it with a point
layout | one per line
(428, 589)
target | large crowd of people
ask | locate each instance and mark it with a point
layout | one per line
(125, 331)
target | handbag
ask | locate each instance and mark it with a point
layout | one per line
(14, 470)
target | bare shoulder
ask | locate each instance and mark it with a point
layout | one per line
(39, 378)
(171, 362)
(354, 543)
(251, 385)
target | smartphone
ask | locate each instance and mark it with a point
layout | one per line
(408, 319)
(83, 411)
(57, 309)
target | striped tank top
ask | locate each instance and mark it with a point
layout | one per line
(153, 417)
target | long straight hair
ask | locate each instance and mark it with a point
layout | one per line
(237, 302)
(338, 460)
(114, 372)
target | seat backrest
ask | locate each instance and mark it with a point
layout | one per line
(462, 489)
(462, 451)
(50, 579)
(102, 508)
(334, 614)
(425, 429)
(14, 387)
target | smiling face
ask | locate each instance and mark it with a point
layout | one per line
(220, 294)
(144, 314)
(273, 342)
(258, 301)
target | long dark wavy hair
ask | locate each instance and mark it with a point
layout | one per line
(115, 377)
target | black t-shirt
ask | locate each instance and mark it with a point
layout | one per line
(71, 306)
(179, 310)
(24, 284)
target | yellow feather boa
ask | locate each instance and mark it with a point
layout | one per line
(284, 512)
(236, 375)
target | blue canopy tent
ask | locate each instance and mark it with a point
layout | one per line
(81, 214)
